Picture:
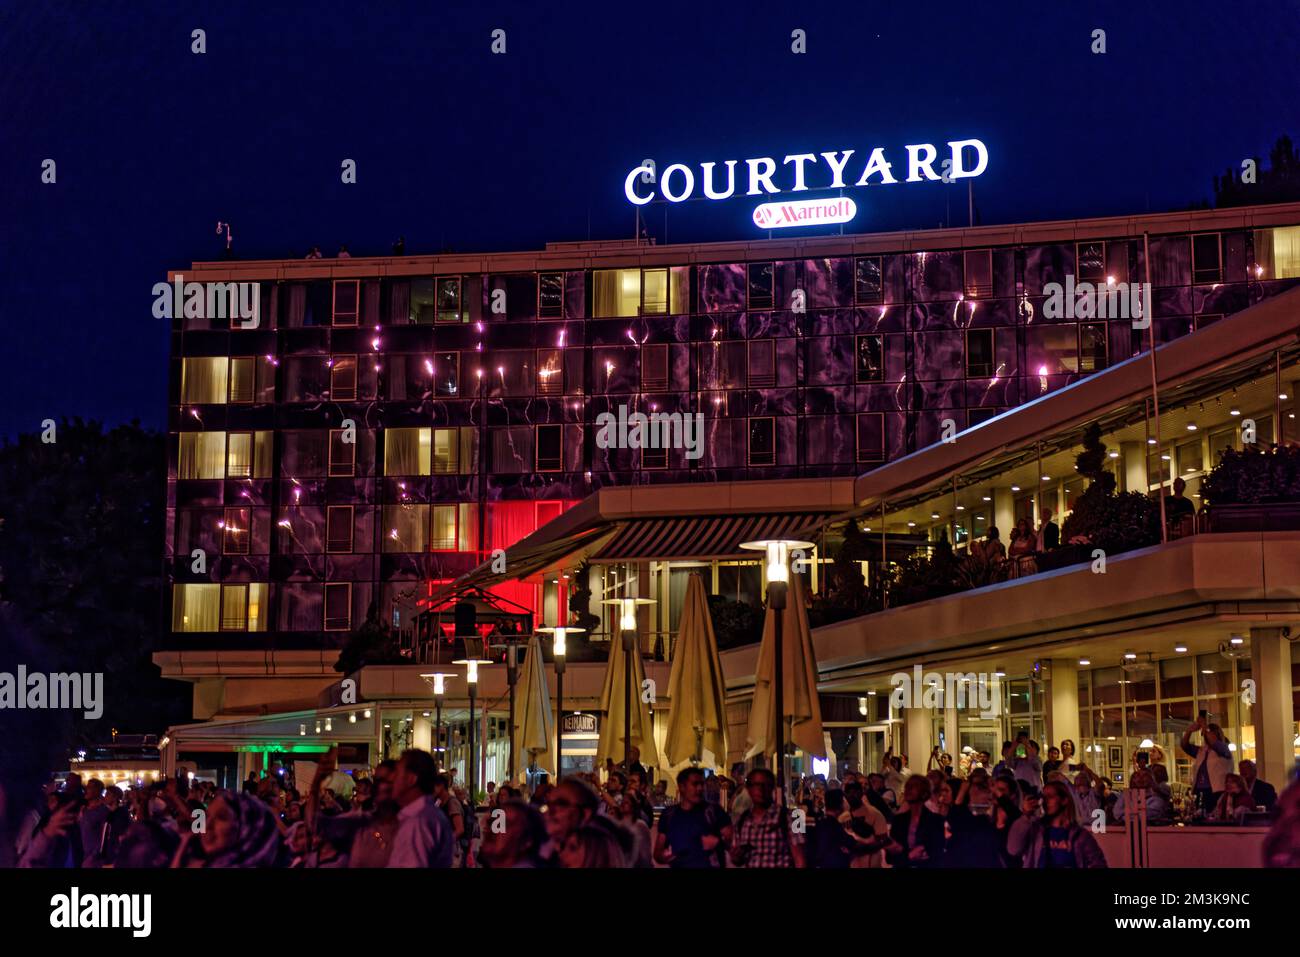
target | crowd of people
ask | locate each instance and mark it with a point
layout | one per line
(1020, 812)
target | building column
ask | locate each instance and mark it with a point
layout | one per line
(1272, 713)
(1134, 457)
(422, 733)
(1063, 705)
(1004, 513)
(917, 724)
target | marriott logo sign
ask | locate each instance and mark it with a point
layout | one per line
(804, 212)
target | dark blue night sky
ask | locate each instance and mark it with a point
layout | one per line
(459, 148)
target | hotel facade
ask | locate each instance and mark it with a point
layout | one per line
(393, 424)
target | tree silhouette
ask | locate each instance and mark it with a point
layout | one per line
(1279, 182)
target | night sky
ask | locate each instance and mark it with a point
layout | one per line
(457, 147)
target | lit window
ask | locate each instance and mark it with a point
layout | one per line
(243, 379)
(550, 372)
(449, 300)
(235, 531)
(443, 537)
(979, 273)
(406, 451)
(249, 455)
(453, 451)
(203, 381)
(550, 295)
(343, 379)
(616, 292)
(654, 284)
(202, 455)
(1277, 253)
(196, 607)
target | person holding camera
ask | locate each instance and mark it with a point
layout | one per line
(1211, 761)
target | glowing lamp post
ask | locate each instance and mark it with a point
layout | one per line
(777, 559)
(627, 628)
(559, 650)
(438, 681)
(475, 655)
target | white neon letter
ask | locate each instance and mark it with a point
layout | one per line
(765, 177)
(667, 177)
(631, 194)
(915, 164)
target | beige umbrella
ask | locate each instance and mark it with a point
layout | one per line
(801, 707)
(697, 723)
(533, 724)
(611, 700)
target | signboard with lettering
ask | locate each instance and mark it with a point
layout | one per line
(578, 724)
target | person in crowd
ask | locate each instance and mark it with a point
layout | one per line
(343, 253)
(591, 846)
(1158, 807)
(1088, 793)
(1178, 508)
(521, 843)
(637, 790)
(1261, 792)
(1049, 533)
(1069, 758)
(832, 844)
(1235, 801)
(1282, 843)
(637, 850)
(240, 831)
(424, 837)
(1028, 802)
(1053, 761)
(1023, 540)
(314, 254)
(571, 804)
(692, 833)
(451, 806)
(917, 833)
(868, 826)
(991, 551)
(763, 836)
(1056, 840)
(635, 767)
(878, 795)
(1211, 762)
(1024, 762)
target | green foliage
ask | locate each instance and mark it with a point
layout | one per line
(1253, 476)
(1101, 518)
(1279, 182)
(81, 546)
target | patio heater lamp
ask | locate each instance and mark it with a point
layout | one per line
(511, 648)
(777, 559)
(559, 650)
(627, 628)
(475, 655)
(438, 680)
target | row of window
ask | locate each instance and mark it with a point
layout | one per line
(1201, 258)
(409, 527)
(243, 607)
(410, 452)
(722, 365)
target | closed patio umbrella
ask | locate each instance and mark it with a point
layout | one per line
(611, 701)
(802, 708)
(534, 727)
(697, 721)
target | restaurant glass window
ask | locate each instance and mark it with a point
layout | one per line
(867, 282)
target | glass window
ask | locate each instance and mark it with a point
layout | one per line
(1220, 442)
(680, 289)
(196, 607)
(550, 448)
(762, 441)
(338, 606)
(762, 363)
(1052, 349)
(871, 436)
(616, 292)
(1206, 264)
(1277, 253)
(421, 304)
(202, 455)
(235, 529)
(234, 607)
(760, 285)
(550, 295)
(1093, 350)
(445, 369)
(449, 294)
(1214, 676)
(343, 378)
(243, 379)
(979, 353)
(343, 454)
(346, 297)
(406, 451)
(1090, 261)
(550, 372)
(339, 526)
(406, 528)
(654, 285)
(203, 381)
(453, 451)
(443, 536)
(1190, 459)
(979, 273)
(654, 368)
(1106, 686)
(871, 359)
(239, 459)
(1176, 678)
(867, 284)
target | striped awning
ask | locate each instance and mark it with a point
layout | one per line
(699, 537)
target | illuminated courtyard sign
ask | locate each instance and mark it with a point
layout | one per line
(800, 172)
